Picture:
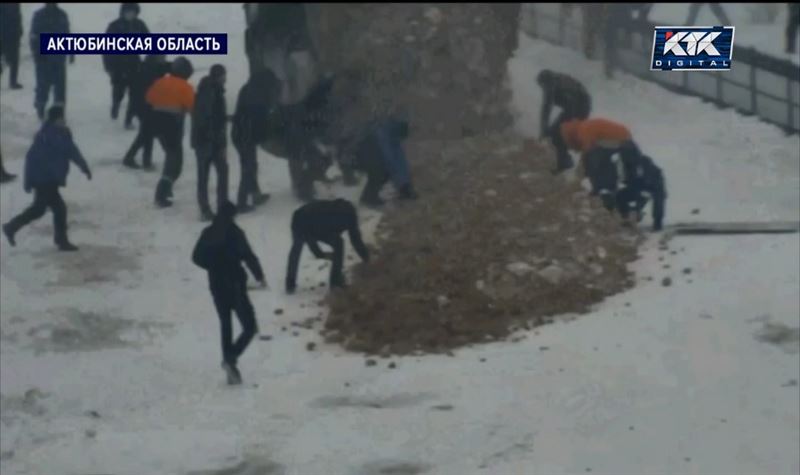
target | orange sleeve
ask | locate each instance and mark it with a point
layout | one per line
(152, 93)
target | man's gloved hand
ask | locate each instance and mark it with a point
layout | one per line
(88, 174)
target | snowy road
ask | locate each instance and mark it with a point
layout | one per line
(110, 360)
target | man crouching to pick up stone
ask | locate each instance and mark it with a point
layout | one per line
(220, 250)
(324, 221)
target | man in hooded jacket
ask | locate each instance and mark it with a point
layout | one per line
(221, 249)
(122, 68)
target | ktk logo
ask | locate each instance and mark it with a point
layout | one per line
(692, 48)
(696, 43)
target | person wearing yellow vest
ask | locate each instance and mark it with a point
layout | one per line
(171, 97)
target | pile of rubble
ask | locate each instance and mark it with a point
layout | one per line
(495, 243)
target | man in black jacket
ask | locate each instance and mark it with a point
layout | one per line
(324, 221)
(574, 101)
(122, 68)
(256, 101)
(152, 68)
(51, 70)
(220, 250)
(209, 137)
(10, 35)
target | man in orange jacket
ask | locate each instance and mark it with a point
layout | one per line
(599, 140)
(171, 98)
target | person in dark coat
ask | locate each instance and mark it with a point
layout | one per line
(51, 69)
(256, 101)
(152, 68)
(221, 249)
(5, 177)
(324, 221)
(792, 24)
(643, 182)
(123, 68)
(569, 95)
(10, 36)
(46, 169)
(209, 137)
(380, 155)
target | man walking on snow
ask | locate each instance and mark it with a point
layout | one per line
(220, 250)
(46, 169)
(51, 69)
(171, 97)
(122, 68)
(209, 137)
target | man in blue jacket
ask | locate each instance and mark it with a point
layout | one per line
(51, 69)
(46, 169)
(380, 155)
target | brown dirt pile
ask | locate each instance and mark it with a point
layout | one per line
(495, 244)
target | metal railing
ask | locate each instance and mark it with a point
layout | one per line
(757, 84)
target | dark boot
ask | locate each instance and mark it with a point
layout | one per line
(232, 372)
(163, 194)
(66, 246)
(9, 232)
(6, 177)
(260, 199)
(130, 163)
(16, 85)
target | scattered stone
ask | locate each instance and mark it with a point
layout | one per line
(443, 407)
(601, 252)
(371, 362)
(392, 365)
(7, 455)
(295, 333)
(706, 316)
(442, 301)
(627, 304)
(630, 428)
(666, 281)
(90, 433)
(482, 360)
(278, 311)
(283, 329)
(688, 459)
(789, 384)
(265, 337)
(687, 270)
(696, 211)
(434, 15)
(560, 370)
(93, 414)
(490, 193)
(666, 266)
(310, 346)
(347, 385)
(552, 274)
(544, 348)
(520, 269)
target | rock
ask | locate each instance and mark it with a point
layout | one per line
(310, 346)
(265, 337)
(90, 433)
(410, 39)
(666, 281)
(696, 211)
(442, 301)
(789, 384)
(687, 270)
(278, 311)
(552, 274)
(480, 285)
(596, 269)
(601, 252)
(490, 193)
(520, 269)
(93, 414)
(371, 362)
(283, 329)
(347, 385)
(482, 360)
(706, 316)
(544, 348)
(392, 365)
(295, 333)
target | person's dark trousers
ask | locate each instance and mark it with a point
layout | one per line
(50, 75)
(336, 278)
(231, 296)
(301, 178)
(11, 55)
(578, 110)
(44, 197)
(168, 128)
(791, 27)
(144, 139)
(206, 158)
(377, 177)
(600, 170)
(248, 182)
(120, 83)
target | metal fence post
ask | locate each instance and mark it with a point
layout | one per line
(753, 90)
(790, 104)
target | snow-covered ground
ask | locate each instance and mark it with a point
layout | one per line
(659, 380)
